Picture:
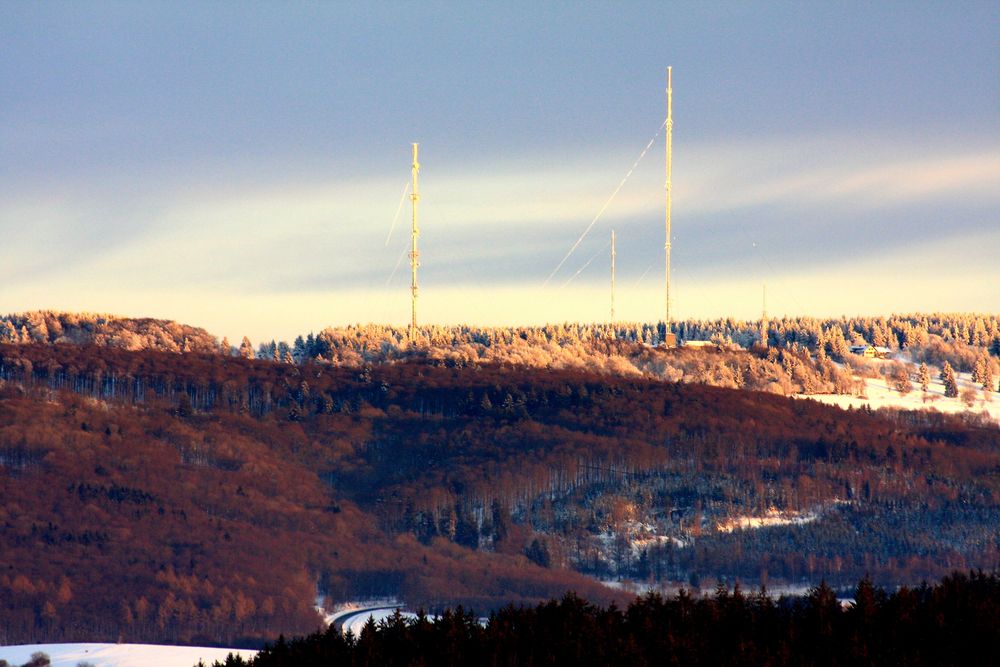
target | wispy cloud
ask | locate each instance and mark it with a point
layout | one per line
(810, 199)
(834, 170)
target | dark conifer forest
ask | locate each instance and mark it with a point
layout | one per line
(155, 489)
(955, 622)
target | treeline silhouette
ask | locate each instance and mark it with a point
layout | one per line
(954, 622)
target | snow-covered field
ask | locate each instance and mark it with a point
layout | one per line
(878, 394)
(352, 615)
(119, 655)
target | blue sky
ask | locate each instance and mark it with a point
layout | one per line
(237, 166)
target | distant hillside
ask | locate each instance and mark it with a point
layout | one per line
(126, 511)
(106, 331)
(959, 338)
(798, 357)
(200, 497)
(802, 355)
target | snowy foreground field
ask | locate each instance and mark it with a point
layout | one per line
(350, 616)
(119, 655)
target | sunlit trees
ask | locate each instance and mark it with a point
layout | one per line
(982, 373)
(900, 378)
(619, 349)
(246, 349)
(949, 381)
(90, 328)
(924, 376)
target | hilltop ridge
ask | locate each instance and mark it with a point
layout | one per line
(127, 333)
(802, 356)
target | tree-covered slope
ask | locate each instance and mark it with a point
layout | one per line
(201, 497)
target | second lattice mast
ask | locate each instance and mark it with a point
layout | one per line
(666, 246)
(414, 253)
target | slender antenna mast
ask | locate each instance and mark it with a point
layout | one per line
(414, 254)
(612, 276)
(763, 320)
(666, 246)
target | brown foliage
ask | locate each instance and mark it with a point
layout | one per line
(122, 514)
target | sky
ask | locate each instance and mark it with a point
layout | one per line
(240, 166)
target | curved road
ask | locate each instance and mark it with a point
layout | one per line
(344, 621)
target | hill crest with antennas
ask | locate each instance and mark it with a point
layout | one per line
(669, 338)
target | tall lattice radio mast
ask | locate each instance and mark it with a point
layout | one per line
(666, 246)
(414, 253)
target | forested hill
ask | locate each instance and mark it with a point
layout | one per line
(200, 497)
(801, 355)
(128, 513)
(958, 338)
(127, 333)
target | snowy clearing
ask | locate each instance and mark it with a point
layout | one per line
(120, 655)
(878, 394)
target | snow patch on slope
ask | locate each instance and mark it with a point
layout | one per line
(773, 517)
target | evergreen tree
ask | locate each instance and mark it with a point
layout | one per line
(246, 349)
(950, 383)
(299, 349)
(838, 344)
(977, 369)
(925, 377)
(499, 520)
(8, 333)
(538, 553)
(466, 530)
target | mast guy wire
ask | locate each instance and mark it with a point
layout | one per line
(580, 270)
(396, 268)
(606, 204)
(399, 208)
